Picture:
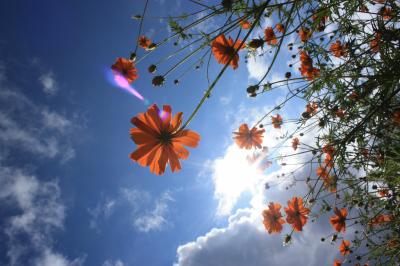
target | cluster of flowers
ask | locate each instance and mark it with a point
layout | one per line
(324, 170)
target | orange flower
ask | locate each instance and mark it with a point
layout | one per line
(280, 27)
(338, 49)
(329, 149)
(273, 218)
(311, 108)
(270, 37)
(353, 96)
(245, 24)
(304, 34)
(276, 121)
(322, 21)
(144, 42)
(374, 44)
(321, 172)
(396, 116)
(338, 221)
(363, 8)
(295, 143)
(296, 213)
(225, 50)
(380, 219)
(387, 13)
(306, 68)
(125, 68)
(328, 160)
(160, 140)
(339, 113)
(384, 192)
(337, 262)
(345, 247)
(247, 139)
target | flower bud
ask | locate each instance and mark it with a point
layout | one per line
(158, 81)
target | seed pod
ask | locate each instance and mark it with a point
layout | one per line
(151, 47)
(158, 81)
(255, 44)
(152, 68)
(132, 57)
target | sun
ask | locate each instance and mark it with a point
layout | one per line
(237, 172)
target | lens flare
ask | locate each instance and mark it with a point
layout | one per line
(120, 82)
(162, 114)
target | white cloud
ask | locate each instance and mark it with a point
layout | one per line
(245, 242)
(225, 100)
(155, 220)
(30, 127)
(113, 263)
(12, 134)
(41, 213)
(50, 258)
(49, 83)
(146, 213)
(56, 121)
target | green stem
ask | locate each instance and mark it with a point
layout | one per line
(211, 87)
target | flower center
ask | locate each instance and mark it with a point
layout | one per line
(165, 137)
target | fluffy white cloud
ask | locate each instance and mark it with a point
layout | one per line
(245, 242)
(34, 209)
(49, 83)
(147, 213)
(50, 258)
(41, 213)
(113, 263)
(155, 219)
(33, 128)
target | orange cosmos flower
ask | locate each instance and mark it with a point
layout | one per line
(159, 139)
(338, 221)
(328, 160)
(270, 37)
(144, 42)
(363, 8)
(321, 172)
(296, 213)
(345, 247)
(245, 24)
(276, 121)
(329, 149)
(311, 108)
(304, 34)
(339, 113)
(396, 116)
(374, 44)
(225, 50)
(338, 49)
(125, 68)
(273, 218)
(383, 192)
(387, 13)
(380, 219)
(353, 96)
(306, 68)
(280, 27)
(247, 139)
(295, 143)
(337, 262)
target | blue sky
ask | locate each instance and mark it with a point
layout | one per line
(70, 194)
